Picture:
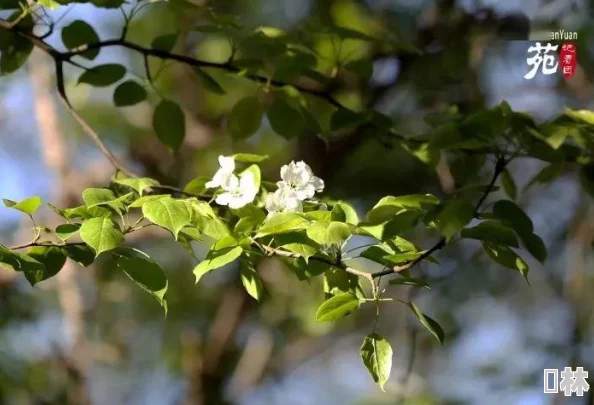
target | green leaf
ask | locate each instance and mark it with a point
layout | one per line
(376, 354)
(337, 281)
(493, 232)
(82, 254)
(164, 42)
(245, 118)
(506, 257)
(102, 234)
(547, 174)
(454, 216)
(327, 233)
(168, 213)
(337, 307)
(144, 199)
(129, 93)
(389, 206)
(19, 261)
(66, 231)
(216, 258)
(343, 212)
(282, 222)
(304, 270)
(139, 184)
(587, 178)
(51, 4)
(85, 212)
(95, 197)
(508, 184)
(10, 4)
(249, 158)
(297, 242)
(534, 244)
(147, 274)
(79, 33)
(208, 82)
(15, 51)
(285, 119)
(28, 206)
(247, 223)
(52, 259)
(404, 280)
(197, 186)
(169, 124)
(400, 223)
(103, 75)
(251, 280)
(431, 325)
(514, 216)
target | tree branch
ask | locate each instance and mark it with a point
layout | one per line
(187, 60)
(499, 167)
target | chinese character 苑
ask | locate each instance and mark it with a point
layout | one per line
(574, 381)
(542, 57)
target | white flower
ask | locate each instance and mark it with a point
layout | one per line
(243, 193)
(300, 178)
(283, 200)
(224, 177)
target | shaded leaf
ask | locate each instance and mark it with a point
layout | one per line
(493, 232)
(52, 259)
(245, 118)
(164, 42)
(129, 93)
(454, 216)
(251, 280)
(431, 325)
(508, 184)
(82, 254)
(208, 82)
(103, 75)
(147, 274)
(169, 123)
(80, 33)
(65, 231)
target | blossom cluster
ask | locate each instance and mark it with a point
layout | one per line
(298, 183)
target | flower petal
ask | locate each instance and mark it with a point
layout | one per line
(230, 182)
(224, 199)
(227, 163)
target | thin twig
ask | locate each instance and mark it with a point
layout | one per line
(499, 167)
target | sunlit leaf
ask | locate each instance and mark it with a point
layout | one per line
(102, 234)
(376, 354)
(337, 307)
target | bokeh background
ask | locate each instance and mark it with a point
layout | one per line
(92, 333)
